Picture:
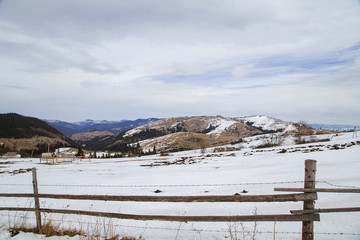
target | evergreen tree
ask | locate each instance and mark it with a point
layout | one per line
(80, 152)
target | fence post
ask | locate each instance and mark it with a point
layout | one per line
(310, 172)
(36, 199)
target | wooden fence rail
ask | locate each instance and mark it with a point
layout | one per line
(217, 198)
(249, 218)
(327, 210)
(307, 215)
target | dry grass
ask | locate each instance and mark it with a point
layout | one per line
(49, 228)
(28, 143)
(238, 231)
(87, 231)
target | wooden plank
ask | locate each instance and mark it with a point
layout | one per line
(326, 210)
(211, 198)
(333, 190)
(246, 218)
(17, 209)
(17, 195)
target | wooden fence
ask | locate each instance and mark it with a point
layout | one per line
(55, 160)
(307, 215)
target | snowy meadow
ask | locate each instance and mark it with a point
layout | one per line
(248, 171)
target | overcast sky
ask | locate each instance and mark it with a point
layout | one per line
(125, 59)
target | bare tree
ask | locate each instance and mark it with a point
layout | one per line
(301, 127)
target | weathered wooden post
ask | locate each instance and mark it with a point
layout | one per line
(310, 172)
(36, 199)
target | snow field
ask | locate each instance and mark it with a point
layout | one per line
(215, 174)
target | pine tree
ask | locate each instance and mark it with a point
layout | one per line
(80, 152)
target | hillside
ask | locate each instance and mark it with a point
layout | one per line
(89, 136)
(28, 135)
(13, 125)
(185, 133)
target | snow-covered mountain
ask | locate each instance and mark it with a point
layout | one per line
(180, 133)
(176, 133)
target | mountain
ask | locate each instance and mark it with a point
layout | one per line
(186, 133)
(89, 125)
(29, 135)
(183, 133)
(146, 135)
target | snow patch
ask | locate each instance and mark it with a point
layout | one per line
(269, 123)
(221, 125)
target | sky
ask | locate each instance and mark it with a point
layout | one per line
(127, 59)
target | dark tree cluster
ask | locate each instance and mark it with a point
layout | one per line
(251, 124)
(146, 134)
(13, 125)
(209, 129)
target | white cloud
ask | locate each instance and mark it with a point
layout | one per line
(126, 59)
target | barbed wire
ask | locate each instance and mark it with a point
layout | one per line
(154, 185)
(174, 185)
(336, 185)
(185, 229)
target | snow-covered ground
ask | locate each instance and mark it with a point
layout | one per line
(258, 171)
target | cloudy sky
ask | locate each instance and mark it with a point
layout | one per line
(127, 59)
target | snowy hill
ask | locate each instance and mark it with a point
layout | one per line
(173, 134)
(211, 125)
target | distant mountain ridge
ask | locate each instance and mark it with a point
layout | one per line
(89, 125)
(335, 127)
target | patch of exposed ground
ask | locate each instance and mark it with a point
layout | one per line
(187, 160)
(17, 171)
(28, 143)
